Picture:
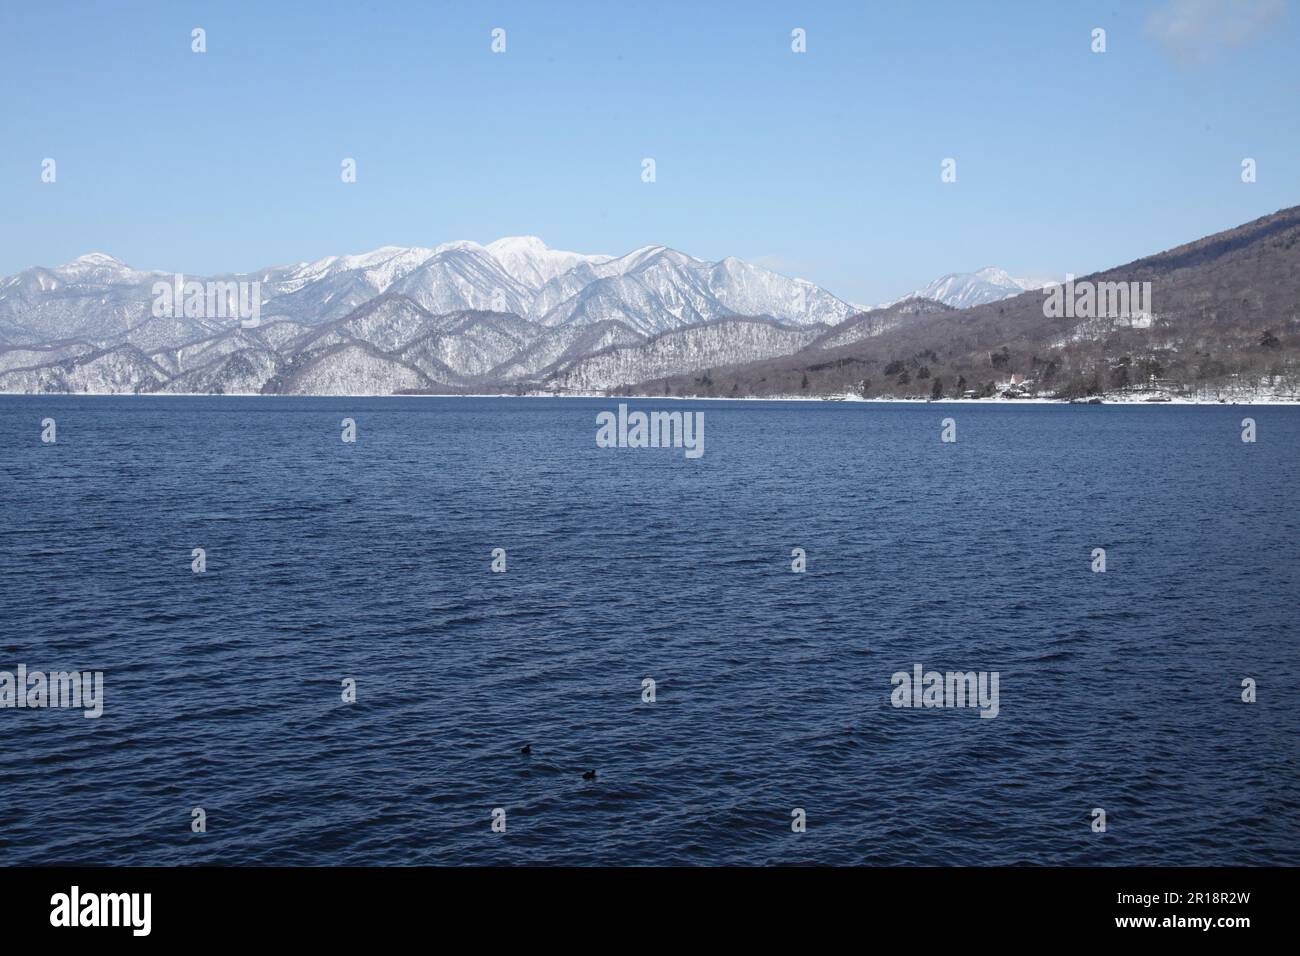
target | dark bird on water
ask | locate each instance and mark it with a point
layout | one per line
(526, 749)
(589, 775)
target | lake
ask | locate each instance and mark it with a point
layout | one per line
(371, 562)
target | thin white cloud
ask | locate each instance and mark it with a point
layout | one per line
(1197, 31)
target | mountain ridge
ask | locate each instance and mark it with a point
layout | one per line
(654, 287)
(1225, 322)
(525, 318)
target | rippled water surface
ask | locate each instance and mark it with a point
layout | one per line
(370, 561)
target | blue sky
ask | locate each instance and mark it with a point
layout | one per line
(823, 164)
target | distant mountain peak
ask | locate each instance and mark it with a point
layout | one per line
(531, 262)
(507, 244)
(962, 290)
(95, 260)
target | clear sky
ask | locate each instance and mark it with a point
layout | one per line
(824, 164)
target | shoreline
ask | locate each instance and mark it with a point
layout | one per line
(828, 399)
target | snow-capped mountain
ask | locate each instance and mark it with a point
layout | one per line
(527, 260)
(456, 316)
(654, 289)
(961, 290)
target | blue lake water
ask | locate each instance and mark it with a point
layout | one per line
(370, 561)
